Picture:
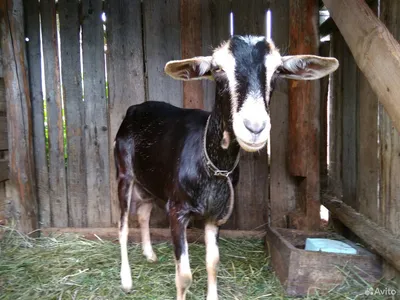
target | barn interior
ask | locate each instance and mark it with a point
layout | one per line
(71, 68)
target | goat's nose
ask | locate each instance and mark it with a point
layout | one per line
(254, 127)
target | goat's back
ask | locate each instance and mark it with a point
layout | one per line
(152, 137)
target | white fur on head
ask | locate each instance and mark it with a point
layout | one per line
(253, 110)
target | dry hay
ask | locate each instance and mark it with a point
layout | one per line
(70, 267)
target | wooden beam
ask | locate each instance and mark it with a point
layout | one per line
(303, 117)
(376, 51)
(378, 238)
(191, 42)
(22, 172)
(329, 25)
(157, 234)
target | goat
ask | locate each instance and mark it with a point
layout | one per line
(186, 159)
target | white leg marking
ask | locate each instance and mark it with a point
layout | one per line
(126, 279)
(144, 212)
(183, 276)
(212, 260)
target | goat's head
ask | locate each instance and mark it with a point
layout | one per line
(247, 68)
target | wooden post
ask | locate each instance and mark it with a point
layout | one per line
(389, 191)
(376, 51)
(191, 43)
(304, 117)
(282, 184)
(19, 118)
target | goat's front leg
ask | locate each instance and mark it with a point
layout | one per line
(212, 259)
(183, 274)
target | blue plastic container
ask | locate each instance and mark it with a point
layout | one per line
(327, 245)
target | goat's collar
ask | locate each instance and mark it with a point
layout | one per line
(210, 164)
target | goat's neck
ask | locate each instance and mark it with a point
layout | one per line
(221, 144)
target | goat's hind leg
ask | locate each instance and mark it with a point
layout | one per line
(183, 275)
(125, 183)
(145, 205)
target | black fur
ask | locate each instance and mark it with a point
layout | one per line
(250, 68)
(160, 147)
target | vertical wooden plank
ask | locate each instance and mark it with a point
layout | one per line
(368, 163)
(252, 192)
(349, 143)
(249, 17)
(282, 186)
(162, 44)
(303, 40)
(215, 30)
(68, 11)
(191, 43)
(96, 122)
(39, 141)
(389, 137)
(324, 50)
(335, 128)
(125, 83)
(304, 113)
(4, 172)
(19, 119)
(335, 117)
(57, 180)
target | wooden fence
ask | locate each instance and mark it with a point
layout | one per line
(3, 148)
(364, 151)
(99, 57)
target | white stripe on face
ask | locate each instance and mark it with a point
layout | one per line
(253, 111)
(223, 58)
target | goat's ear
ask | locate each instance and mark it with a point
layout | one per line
(307, 67)
(190, 69)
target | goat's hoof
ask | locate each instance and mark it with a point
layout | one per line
(126, 285)
(151, 257)
(212, 296)
(126, 280)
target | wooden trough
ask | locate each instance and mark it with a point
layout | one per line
(304, 272)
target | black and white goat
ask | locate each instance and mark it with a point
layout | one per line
(186, 159)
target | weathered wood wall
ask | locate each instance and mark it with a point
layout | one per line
(22, 196)
(95, 69)
(3, 148)
(364, 147)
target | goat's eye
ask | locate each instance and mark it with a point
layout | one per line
(219, 70)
